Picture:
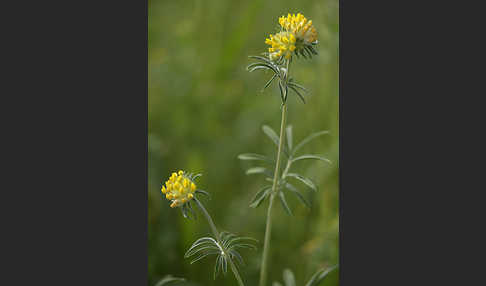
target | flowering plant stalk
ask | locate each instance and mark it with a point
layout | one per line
(181, 190)
(297, 38)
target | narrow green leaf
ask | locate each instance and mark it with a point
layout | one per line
(200, 242)
(217, 266)
(168, 279)
(284, 203)
(303, 54)
(238, 256)
(268, 66)
(204, 248)
(225, 265)
(270, 81)
(319, 276)
(240, 238)
(310, 156)
(289, 137)
(203, 255)
(271, 134)
(298, 86)
(253, 156)
(280, 86)
(304, 180)
(306, 48)
(308, 139)
(298, 93)
(261, 58)
(259, 68)
(226, 234)
(203, 192)
(260, 197)
(296, 192)
(256, 170)
(313, 50)
(288, 277)
(243, 245)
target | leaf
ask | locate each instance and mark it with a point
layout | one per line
(225, 235)
(289, 136)
(260, 197)
(201, 242)
(284, 203)
(269, 82)
(235, 253)
(256, 170)
(311, 48)
(306, 48)
(298, 93)
(204, 255)
(259, 68)
(297, 85)
(256, 66)
(243, 245)
(201, 249)
(288, 277)
(168, 279)
(281, 90)
(303, 179)
(319, 276)
(253, 156)
(303, 54)
(184, 212)
(196, 176)
(271, 134)
(262, 59)
(296, 192)
(203, 192)
(309, 138)
(231, 242)
(286, 92)
(217, 266)
(225, 265)
(310, 156)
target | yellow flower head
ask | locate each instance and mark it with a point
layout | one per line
(297, 33)
(283, 44)
(298, 25)
(179, 189)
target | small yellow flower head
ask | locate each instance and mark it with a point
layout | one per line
(283, 44)
(300, 27)
(179, 189)
(296, 33)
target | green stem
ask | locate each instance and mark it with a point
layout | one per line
(268, 229)
(218, 238)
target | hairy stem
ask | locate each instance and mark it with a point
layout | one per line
(268, 229)
(218, 238)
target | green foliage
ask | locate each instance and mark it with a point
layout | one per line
(170, 280)
(224, 250)
(283, 183)
(280, 70)
(315, 280)
(319, 276)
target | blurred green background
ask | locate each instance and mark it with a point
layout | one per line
(205, 109)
